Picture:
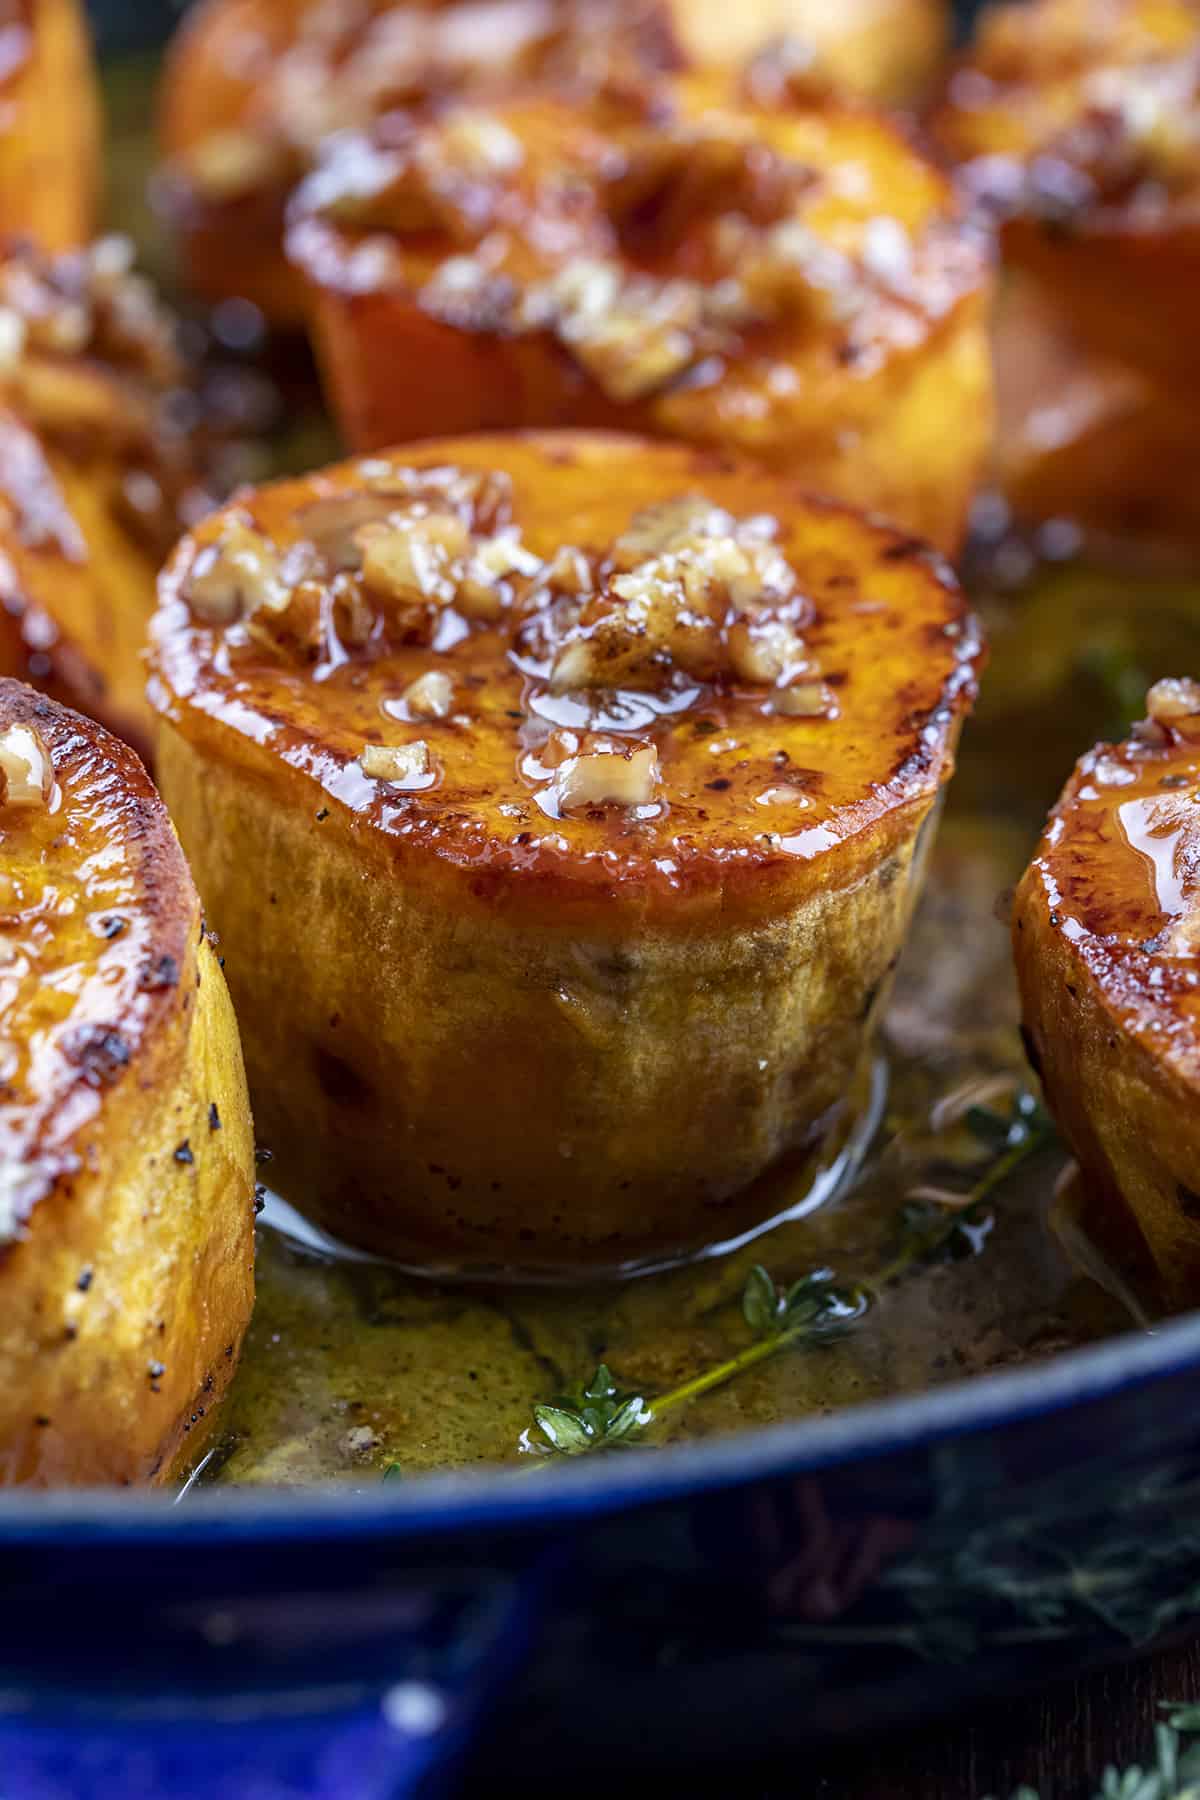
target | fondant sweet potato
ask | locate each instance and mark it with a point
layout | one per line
(50, 125)
(126, 1152)
(792, 283)
(560, 803)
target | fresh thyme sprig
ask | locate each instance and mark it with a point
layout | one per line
(1175, 1772)
(603, 1416)
(812, 1311)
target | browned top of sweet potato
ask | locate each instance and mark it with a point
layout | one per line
(573, 662)
(1081, 114)
(98, 925)
(254, 86)
(658, 233)
(1118, 872)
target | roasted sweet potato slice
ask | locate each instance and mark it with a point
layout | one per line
(1079, 122)
(559, 803)
(98, 475)
(126, 1152)
(794, 284)
(50, 127)
(253, 87)
(1106, 931)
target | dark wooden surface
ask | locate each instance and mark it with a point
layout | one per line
(1057, 1743)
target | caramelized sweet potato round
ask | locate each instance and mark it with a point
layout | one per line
(1078, 121)
(126, 1152)
(557, 800)
(253, 87)
(1106, 932)
(99, 473)
(50, 127)
(794, 284)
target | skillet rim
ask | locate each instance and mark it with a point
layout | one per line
(502, 1500)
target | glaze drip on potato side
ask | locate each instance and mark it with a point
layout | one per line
(91, 952)
(728, 674)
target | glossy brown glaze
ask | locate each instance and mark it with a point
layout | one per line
(117, 1050)
(1078, 121)
(749, 798)
(98, 474)
(692, 261)
(50, 128)
(583, 970)
(1106, 941)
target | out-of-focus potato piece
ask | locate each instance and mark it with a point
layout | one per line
(126, 1149)
(882, 50)
(1078, 121)
(50, 125)
(253, 87)
(795, 284)
(1107, 939)
(99, 474)
(595, 779)
(1080, 436)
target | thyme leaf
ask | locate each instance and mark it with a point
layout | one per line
(601, 1414)
(813, 1310)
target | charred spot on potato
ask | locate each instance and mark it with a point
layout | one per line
(162, 972)
(100, 1052)
(903, 550)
